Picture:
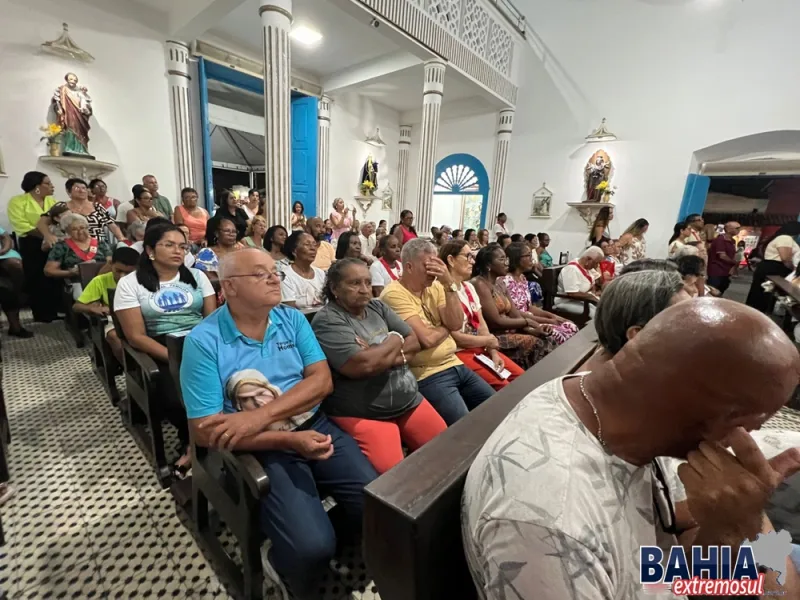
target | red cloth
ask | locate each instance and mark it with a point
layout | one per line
(716, 267)
(607, 266)
(382, 441)
(73, 119)
(469, 360)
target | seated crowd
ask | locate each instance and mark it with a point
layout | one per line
(401, 337)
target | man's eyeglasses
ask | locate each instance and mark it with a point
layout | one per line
(261, 276)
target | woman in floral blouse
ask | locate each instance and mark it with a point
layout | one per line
(516, 286)
(632, 243)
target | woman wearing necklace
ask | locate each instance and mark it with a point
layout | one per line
(517, 287)
(298, 216)
(474, 339)
(274, 241)
(143, 209)
(521, 338)
(375, 396)
(303, 283)
(193, 216)
(388, 267)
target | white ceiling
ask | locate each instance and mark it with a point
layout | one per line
(346, 41)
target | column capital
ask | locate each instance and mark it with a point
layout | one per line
(505, 121)
(272, 8)
(405, 134)
(324, 108)
(177, 59)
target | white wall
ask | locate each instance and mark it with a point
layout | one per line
(671, 78)
(127, 82)
(353, 118)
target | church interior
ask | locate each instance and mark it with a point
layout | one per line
(568, 138)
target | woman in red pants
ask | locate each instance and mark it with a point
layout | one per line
(375, 396)
(478, 349)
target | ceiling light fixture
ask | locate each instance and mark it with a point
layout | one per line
(305, 35)
(601, 134)
(376, 139)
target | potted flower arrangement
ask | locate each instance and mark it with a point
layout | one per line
(52, 133)
(367, 187)
(606, 191)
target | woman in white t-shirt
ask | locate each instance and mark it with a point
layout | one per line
(388, 267)
(303, 283)
(781, 255)
(164, 296)
(474, 338)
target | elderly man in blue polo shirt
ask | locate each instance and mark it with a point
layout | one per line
(253, 376)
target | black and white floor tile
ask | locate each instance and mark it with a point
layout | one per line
(89, 519)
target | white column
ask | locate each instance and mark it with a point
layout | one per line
(323, 152)
(181, 111)
(276, 23)
(505, 124)
(432, 94)
(402, 169)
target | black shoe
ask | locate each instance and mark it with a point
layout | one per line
(21, 333)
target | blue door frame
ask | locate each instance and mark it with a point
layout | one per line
(303, 128)
(694, 195)
(480, 172)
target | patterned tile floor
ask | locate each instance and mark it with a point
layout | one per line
(89, 519)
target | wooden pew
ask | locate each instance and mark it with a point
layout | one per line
(549, 283)
(412, 521)
(104, 362)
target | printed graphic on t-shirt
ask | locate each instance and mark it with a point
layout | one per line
(171, 298)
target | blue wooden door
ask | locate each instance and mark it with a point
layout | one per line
(304, 153)
(694, 195)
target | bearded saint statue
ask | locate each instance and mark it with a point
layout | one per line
(73, 107)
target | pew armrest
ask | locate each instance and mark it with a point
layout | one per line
(145, 363)
(246, 468)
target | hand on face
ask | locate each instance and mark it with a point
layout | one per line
(727, 493)
(437, 269)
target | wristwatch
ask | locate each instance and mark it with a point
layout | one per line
(452, 288)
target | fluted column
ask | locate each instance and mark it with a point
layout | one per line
(180, 109)
(323, 152)
(276, 23)
(505, 124)
(432, 94)
(402, 168)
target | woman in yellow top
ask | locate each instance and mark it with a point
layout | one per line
(35, 240)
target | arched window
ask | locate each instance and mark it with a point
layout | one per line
(460, 192)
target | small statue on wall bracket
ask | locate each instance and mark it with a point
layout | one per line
(597, 171)
(368, 184)
(73, 108)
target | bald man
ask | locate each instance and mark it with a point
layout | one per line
(326, 253)
(722, 258)
(252, 350)
(561, 497)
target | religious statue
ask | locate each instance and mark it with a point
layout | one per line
(387, 196)
(73, 107)
(597, 170)
(369, 177)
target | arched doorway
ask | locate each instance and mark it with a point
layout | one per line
(460, 192)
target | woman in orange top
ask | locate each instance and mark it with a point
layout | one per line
(191, 215)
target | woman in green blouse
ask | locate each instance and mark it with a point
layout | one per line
(80, 246)
(35, 240)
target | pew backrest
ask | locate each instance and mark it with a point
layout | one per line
(88, 271)
(412, 525)
(549, 283)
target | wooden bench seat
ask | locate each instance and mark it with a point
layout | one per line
(412, 521)
(549, 283)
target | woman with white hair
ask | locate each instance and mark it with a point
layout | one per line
(78, 247)
(577, 283)
(135, 236)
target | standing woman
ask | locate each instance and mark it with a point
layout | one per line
(599, 230)
(303, 283)
(274, 240)
(253, 204)
(521, 338)
(256, 233)
(388, 267)
(406, 231)
(228, 209)
(474, 338)
(381, 231)
(96, 215)
(98, 191)
(632, 243)
(193, 216)
(781, 256)
(35, 240)
(298, 216)
(349, 246)
(680, 232)
(143, 209)
(341, 221)
(521, 293)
